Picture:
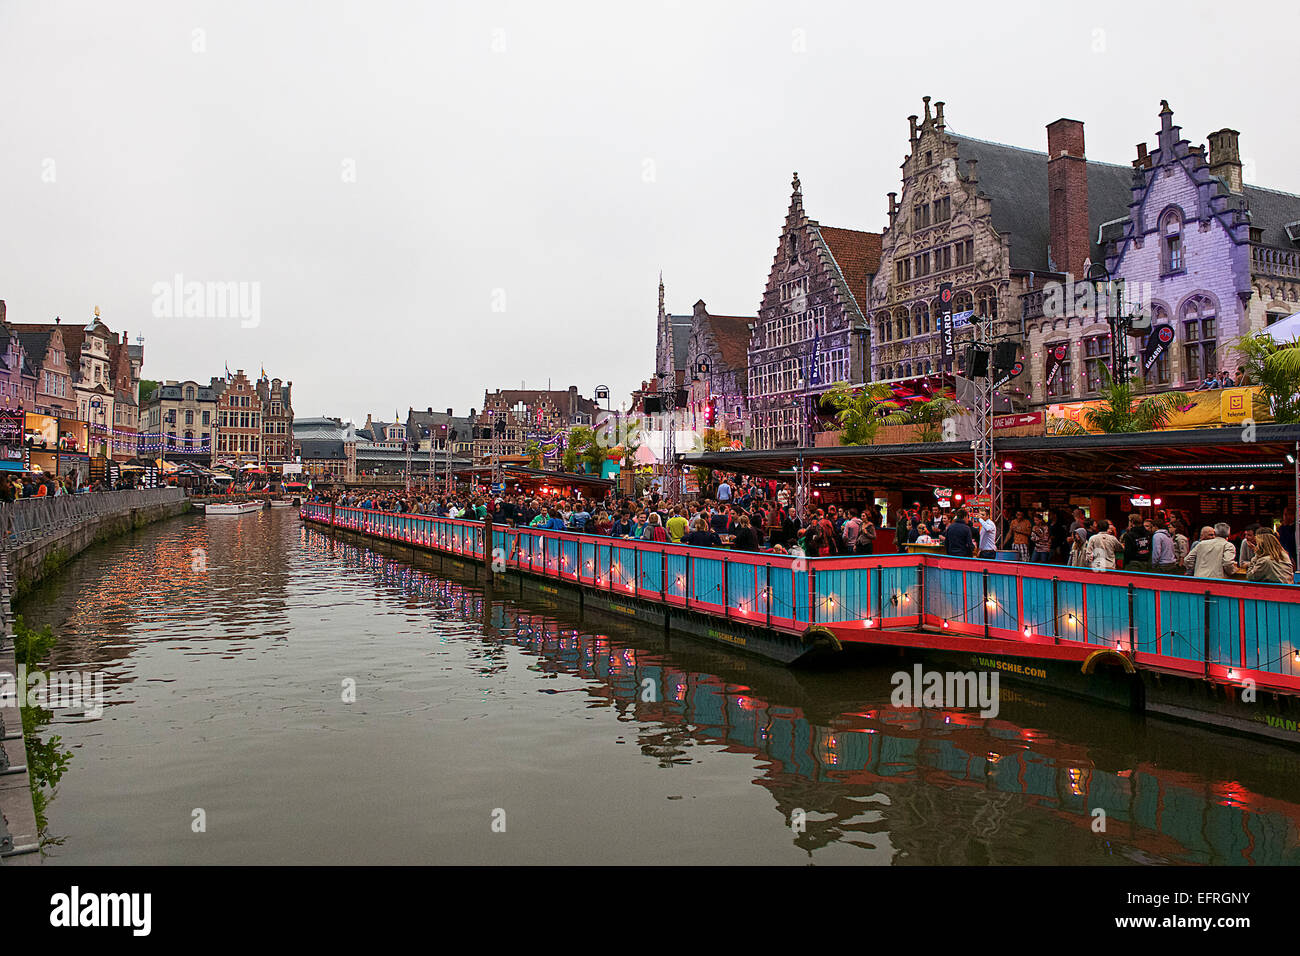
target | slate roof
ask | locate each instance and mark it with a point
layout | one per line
(176, 393)
(680, 326)
(35, 344)
(321, 449)
(320, 429)
(1015, 179)
(1271, 210)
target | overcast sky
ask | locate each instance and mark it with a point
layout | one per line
(433, 198)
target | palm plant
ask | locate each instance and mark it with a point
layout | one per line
(534, 453)
(1121, 411)
(928, 415)
(1275, 368)
(858, 413)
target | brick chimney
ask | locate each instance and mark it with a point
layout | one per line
(1225, 158)
(1067, 197)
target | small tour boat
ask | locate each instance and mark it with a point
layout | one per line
(280, 503)
(236, 508)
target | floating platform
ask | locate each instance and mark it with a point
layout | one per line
(1212, 652)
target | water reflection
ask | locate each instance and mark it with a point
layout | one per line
(923, 785)
(222, 686)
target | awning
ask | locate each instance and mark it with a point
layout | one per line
(1284, 330)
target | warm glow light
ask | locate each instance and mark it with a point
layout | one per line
(945, 624)
(868, 622)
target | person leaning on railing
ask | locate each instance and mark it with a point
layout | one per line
(1271, 564)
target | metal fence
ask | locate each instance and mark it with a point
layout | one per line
(29, 519)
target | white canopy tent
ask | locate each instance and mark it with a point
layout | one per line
(1284, 330)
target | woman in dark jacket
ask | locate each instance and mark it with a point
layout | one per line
(746, 539)
(702, 536)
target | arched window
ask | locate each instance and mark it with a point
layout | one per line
(962, 302)
(1158, 373)
(884, 327)
(988, 303)
(189, 393)
(1171, 241)
(921, 318)
(901, 323)
(907, 370)
(1200, 339)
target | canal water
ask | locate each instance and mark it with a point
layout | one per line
(273, 695)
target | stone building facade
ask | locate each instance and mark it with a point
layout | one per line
(811, 328)
(180, 415)
(996, 222)
(1202, 255)
(276, 397)
(717, 379)
(537, 415)
(1207, 254)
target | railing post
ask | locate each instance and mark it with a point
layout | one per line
(767, 593)
(920, 606)
(1132, 624)
(985, 576)
(726, 609)
(812, 595)
(1056, 610)
(1207, 635)
(689, 558)
(663, 574)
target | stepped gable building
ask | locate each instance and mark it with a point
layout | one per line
(46, 355)
(276, 397)
(811, 329)
(238, 432)
(537, 415)
(996, 221)
(1207, 256)
(104, 375)
(717, 360)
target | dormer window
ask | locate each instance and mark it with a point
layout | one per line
(1171, 242)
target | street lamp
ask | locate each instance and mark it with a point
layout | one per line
(1122, 322)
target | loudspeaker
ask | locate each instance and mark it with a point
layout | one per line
(977, 364)
(1004, 356)
(652, 406)
(683, 397)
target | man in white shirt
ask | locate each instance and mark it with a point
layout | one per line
(724, 491)
(1213, 556)
(988, 536)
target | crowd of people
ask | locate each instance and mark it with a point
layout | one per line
(43, 484)
(746, 515)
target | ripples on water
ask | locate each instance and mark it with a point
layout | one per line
(226, 647)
